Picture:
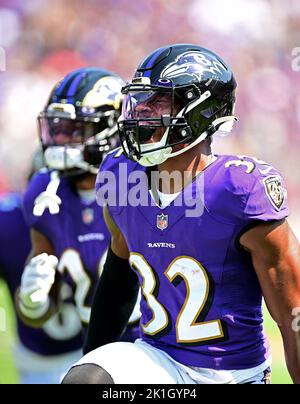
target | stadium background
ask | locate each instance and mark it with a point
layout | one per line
(43, 39)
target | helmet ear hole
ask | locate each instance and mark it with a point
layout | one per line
(190, 95)
(185, 132)
(180, 134)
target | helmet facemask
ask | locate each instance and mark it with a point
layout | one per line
(181, 115)
(201, 87)
(76, 141)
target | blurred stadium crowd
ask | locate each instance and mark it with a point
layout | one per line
(44, 39)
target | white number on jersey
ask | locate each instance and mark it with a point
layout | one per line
(188, 327)
(66, 323)
(71, 262)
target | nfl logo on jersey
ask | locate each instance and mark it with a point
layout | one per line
(162, 221)
(87, 216)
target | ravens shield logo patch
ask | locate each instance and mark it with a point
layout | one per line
(275, 191)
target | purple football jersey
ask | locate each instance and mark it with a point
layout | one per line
(202, 302)
(79, 237)
(49, 340)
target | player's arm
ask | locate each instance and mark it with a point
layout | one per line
(275, 254)
(35, 299)
(116, 293)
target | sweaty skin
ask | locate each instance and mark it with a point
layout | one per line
(275, 253)
(118, 242)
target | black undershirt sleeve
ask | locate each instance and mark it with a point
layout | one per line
(113, 303)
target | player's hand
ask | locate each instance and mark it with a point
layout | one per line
(37, 280)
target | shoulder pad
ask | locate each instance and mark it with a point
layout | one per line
(250, 189)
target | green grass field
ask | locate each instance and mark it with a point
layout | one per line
(8, 373)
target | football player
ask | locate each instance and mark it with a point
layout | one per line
(69, 237)
(41, 355)
(204, 250)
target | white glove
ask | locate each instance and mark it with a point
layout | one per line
(36, 282)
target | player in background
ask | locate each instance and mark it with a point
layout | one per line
(205, 249)
(69, 237)
(41, 355)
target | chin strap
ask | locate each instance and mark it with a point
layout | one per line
(65, 158)
(158, 157)
(48, 199)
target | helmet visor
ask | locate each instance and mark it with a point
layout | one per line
(144, 105)
(62, 131)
